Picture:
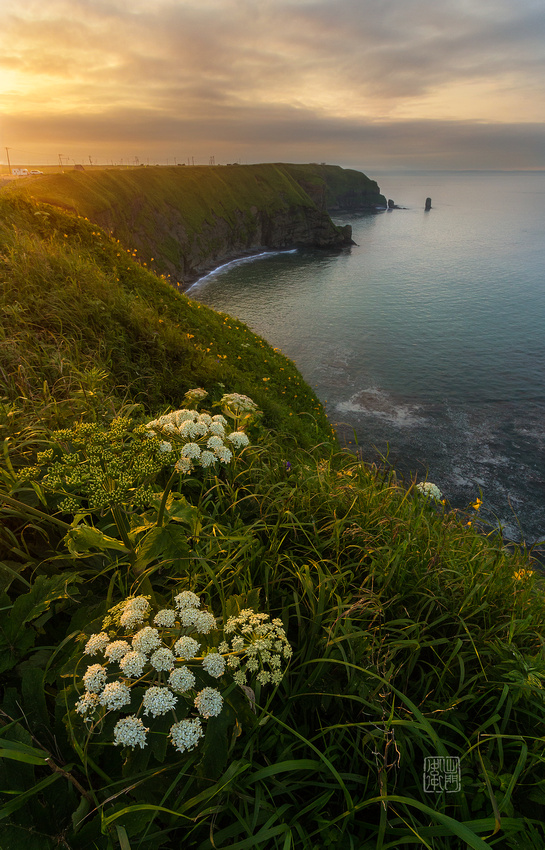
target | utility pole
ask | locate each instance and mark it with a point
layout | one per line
(9, 164)
(90, 160)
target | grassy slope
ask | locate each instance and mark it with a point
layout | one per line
(76, 303)
(131, 202)
(338, 183)
(411, 635)
(200, 191)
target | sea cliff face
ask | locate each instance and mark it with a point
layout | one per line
(184, 221)
(338, 189)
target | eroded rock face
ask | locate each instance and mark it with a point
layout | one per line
(185, 256)
(185, 222)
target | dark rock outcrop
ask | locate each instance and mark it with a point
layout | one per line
(338, 189)
(191, 255)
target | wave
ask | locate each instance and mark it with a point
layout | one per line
(375, 402)
(238, 262)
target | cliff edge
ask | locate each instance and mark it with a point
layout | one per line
(184, 221)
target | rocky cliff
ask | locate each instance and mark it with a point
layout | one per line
(185, 221)
(338, 189)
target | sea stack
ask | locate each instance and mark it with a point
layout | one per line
(428, 204)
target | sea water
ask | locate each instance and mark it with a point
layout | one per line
(426, 339)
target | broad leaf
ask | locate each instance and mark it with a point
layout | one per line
(15, 635)
(82, 538)
(166, 544)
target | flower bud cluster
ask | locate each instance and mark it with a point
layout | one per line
(257, 647)
(240, 408)
(97, 468)
(140, 647)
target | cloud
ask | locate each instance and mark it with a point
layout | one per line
(262, 133)
(254, 73)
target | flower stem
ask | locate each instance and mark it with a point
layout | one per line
(162, 506)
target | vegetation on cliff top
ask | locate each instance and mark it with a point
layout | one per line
(189, 218)
(413, 636)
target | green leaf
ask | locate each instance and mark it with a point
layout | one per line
(22, 756)
(81, 812)
(237, 603)
(124, 842)
(14, 837)
(9, 571)
(23, 798)
(215, 747)
(15, 636)
(45, 590)
(454, 827)
(140, 807)
(178, 509)
(33, 690)
(82, 538)
(167, 543)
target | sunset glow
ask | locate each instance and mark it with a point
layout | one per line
(401, 83)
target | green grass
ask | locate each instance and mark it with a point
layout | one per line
(187, 218)
(84, 325)
(413, 634)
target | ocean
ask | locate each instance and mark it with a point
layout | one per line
(426, 340)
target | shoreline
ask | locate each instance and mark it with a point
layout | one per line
(237, 260)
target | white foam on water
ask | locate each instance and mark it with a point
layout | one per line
(238, 262)
(377, 403)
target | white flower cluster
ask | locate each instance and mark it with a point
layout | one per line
(157, 657)
(130, 732)
(186, 734)
(257, 646)
(134, 651)
(203, 436)
(209, 702)
(238, 404)
(214, 664)
(429, 490)
(195, 395)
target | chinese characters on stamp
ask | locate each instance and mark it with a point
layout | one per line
(442, 773)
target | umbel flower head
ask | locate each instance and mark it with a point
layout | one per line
(98, 468)
(240, 408)
(203, 440)
(95, 467)
(179, 664)
(429, 491)
(256, 647)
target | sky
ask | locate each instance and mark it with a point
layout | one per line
(368, 84)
